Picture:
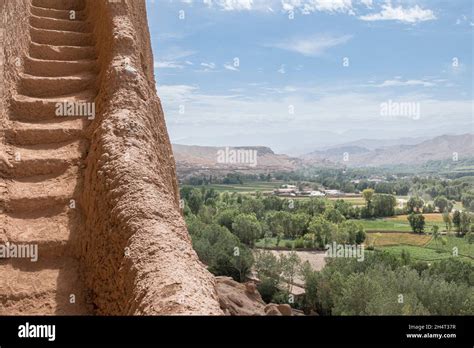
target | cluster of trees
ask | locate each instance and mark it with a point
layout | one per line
(388, 285)
(220, 250)
(252, 218)
(458, 190)
(461, 221)
(273, 271)
(225, 227)
(378, 205)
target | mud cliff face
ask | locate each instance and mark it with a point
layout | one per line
(122, 246)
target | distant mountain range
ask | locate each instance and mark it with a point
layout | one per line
(191, 159)
(373, 144)
(365, 153)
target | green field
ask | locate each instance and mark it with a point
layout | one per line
(395, 238)
(384, 225)
(248, 187)
(464, 248)
(399, 224)
(419, 253)
(352, 200)
(430, 251)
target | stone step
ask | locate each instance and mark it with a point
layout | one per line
(57, 68)
(58, 14)
(47, 132)
(24, 108)
(68, 53)
(44, 86)
(52, 234)
(39, 193)
(50, 159)
(42, 288)
(59, 24)
(60, 4)
(60, 38)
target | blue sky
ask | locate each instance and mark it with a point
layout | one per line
(296, 75)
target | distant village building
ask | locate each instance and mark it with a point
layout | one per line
(333, 193)
(401, 202)
(317, 194)
(292, 191)
(285, 192)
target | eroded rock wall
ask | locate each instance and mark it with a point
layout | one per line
(136, 253)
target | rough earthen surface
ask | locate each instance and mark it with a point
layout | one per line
(99, 197)
(244, 300)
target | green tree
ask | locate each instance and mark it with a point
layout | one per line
(464, 223)
(299, 224)
(467, 199)
(368, 195)
(315, 206)
(242, 261)
(226, 218)
(311, 279)
(384, 205)
(222, 252)
(354, 232)
(278, 222)
(417, 222)
(435, 233)
(345, 208)
(290, 266)
(195, 201)
(323, 230)
(442, 203)
(247, 228)
(334, 216)
(415, 205)
(253, 206)
(457, 221)
(447, 220)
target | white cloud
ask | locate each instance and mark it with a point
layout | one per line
(208, 66)
(367, 3)
(309, 6)
(349, 7)
(230, 67)
(282, 69)
(398, 82)
(175, 94)
(407, 15)
(169, 59)
(175, 53)
(311, 46)
(461, 20)
(230, 5)
(167, 65)
(303, 6)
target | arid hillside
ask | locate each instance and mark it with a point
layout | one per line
(212, 160)
(435, 149)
